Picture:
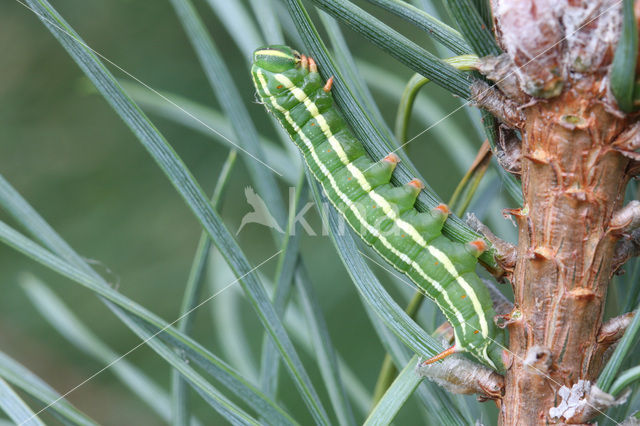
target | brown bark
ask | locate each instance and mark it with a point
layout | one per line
(573, 181)
(577, 155)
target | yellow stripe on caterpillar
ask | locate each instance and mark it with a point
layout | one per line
(302, 97)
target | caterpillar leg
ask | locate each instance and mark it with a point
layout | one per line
(308, 63)
(443, 208)
(313, 67)
(442, 355)
(328, 85)
(392, 158)
(477, 247)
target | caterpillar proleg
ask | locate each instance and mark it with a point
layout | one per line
(383, 214)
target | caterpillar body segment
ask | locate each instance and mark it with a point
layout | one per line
(381, 213)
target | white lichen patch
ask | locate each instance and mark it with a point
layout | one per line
(583, 401)
(572, 400)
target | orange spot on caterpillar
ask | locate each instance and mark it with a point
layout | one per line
(328, 150)
(280, 86)
(475, 332)
(348, 178)
(313, 124)
(463, 296)
(437, 263)
(328, 85)
(402, 235)
(374, 206)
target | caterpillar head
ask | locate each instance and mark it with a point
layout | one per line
(276, 58)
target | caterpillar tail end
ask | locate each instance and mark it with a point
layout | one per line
(442, 355)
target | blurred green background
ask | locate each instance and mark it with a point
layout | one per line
(70, 156)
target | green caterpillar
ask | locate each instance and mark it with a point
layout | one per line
(382, 214)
